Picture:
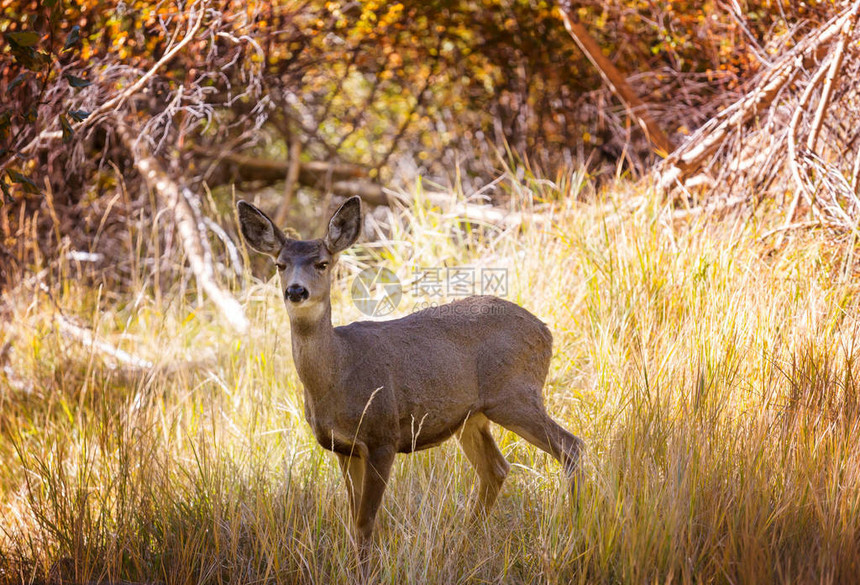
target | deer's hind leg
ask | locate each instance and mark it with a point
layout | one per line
(528, 418)
(483, 453)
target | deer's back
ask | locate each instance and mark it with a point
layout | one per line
(443, 363)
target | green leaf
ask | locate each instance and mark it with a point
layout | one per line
(23, 180)
(7, 196)
(19, 79)
(42, 59)
(78, 115)
(29, 58)
(77, 81)
(23, 55)
(23, 38)
(31, 115)
(68, 133)
(73, 38)
(17, 177)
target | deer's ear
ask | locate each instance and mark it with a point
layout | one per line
(344, 226)
(260, 232)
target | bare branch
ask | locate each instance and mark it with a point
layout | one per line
(616, 81)
(835, 64)
(196, 16)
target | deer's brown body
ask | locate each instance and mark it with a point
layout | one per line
(415, 390)
(374, 389)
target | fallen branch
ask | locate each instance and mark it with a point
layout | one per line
(87, 338)
(832, 72)
(487, 214)
(793, 130)
(311, 174)
(250, 168)
(788, 227)
(190, 228)
(693, 154)
(370, 193)
(713, 207)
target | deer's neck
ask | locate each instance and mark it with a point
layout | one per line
(315, 350)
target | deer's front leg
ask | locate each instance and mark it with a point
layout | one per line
(352, 468)
(377, 468)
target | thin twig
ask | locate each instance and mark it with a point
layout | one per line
(793, 129)
(291, 180)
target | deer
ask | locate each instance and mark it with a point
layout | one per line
(373, 389)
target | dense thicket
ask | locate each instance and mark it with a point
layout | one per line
(358, 95)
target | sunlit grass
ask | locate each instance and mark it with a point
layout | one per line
(712, 378)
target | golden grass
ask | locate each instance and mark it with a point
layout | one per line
(712, 378)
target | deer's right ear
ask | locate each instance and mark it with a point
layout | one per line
(260, 232)
(344, 226)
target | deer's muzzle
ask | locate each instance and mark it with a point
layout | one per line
(296, 293)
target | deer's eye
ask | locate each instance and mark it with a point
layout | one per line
(321, 265)
(281, 266)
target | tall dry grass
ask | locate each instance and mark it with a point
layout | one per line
(713, 379)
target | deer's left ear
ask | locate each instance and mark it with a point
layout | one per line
(344, 226)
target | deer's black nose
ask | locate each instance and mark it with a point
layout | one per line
(296, 293)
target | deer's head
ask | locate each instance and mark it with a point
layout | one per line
(304, 266)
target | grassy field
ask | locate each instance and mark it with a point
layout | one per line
(711, 373)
